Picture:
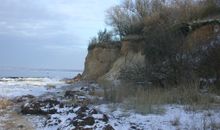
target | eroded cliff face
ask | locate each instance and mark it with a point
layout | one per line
(105, 64)
(132, 54)
(99, 61)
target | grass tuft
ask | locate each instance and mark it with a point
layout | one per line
(146, 100)
(4, 103)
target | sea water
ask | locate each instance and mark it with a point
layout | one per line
(27, 72)
(17, 82)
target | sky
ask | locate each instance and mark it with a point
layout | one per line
(49, 33)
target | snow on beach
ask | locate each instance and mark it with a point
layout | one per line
(57, 113)
(15, 87)
(175, 117)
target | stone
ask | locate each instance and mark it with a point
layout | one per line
(24, 98)
(82, 109)
(108, 127)
(40, 107)
(105, 118)
(88, 121)
(71, 94)
(93, 111)
(77, 78)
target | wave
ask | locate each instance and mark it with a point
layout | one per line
(29, 81)
(17, 86)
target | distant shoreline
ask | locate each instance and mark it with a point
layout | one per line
(40, 69)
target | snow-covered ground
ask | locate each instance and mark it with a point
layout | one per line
(175, 117)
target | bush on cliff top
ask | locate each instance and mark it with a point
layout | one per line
(104, 39)
(130, 17)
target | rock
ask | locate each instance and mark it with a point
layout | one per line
(53, 121)
(20, 126)
(82, 100)
(77, 78)
(87, 129)
(82, 128)
(105, 118)
(24, 98)
(101, 117)
(108, 127)
(51, 102)
(81, 112)
(71, 94)
(33, 108)
(134, 127)
(88, 121)
(83, 122)
(85, 118)
(40, 107)
(82, 109)
(93, 111)
(84, 89)
(61, 105)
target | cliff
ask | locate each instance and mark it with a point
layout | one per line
(106, 63)
(99, 61)
(109, 63)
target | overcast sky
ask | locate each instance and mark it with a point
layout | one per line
(49, 33)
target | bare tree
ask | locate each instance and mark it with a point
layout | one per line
(128, 17)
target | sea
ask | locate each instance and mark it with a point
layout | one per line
(16, 82)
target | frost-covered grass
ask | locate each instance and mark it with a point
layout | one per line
(174, 117)
(144, 99)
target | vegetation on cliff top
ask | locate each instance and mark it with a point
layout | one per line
(104, 39)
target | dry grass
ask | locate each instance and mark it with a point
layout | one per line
(4, 103)
(148, 100)
(14, 121)
(109, 45)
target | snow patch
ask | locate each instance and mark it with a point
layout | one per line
(122, 120)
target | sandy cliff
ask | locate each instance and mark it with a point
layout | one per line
(106, 63)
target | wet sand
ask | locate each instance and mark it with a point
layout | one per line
(10, 119)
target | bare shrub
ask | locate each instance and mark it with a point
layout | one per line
(133, 73)
(104, 39)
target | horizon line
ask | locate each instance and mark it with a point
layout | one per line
(41, 69)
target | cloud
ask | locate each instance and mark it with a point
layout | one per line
(49, 25)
